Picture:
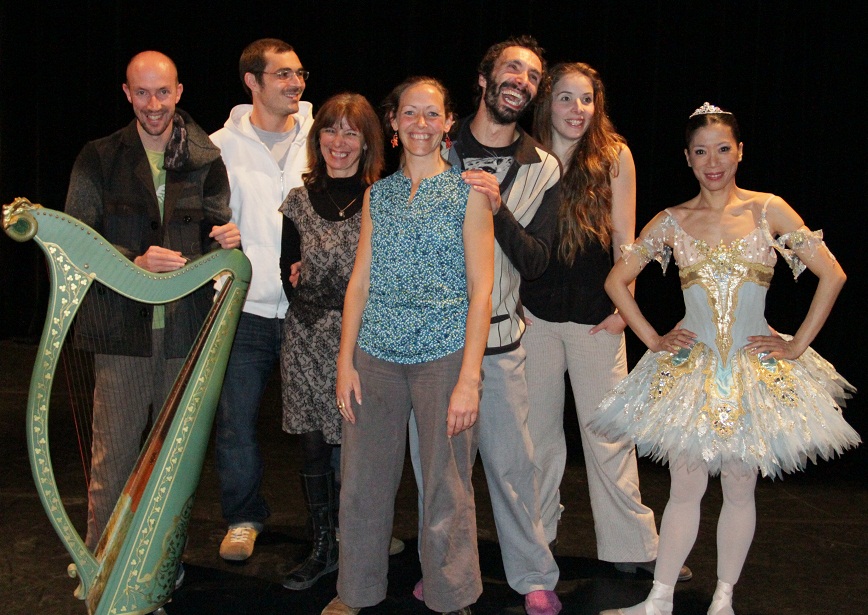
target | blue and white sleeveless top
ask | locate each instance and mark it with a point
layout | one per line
(417, 305)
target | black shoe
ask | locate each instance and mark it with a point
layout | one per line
(685, 574)
(319, 493)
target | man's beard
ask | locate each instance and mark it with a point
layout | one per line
(503, 115)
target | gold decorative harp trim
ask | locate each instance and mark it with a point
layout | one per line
(133, 569)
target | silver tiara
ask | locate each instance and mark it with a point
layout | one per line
(707, 107)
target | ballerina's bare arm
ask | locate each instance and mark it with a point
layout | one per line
(618, 285)
(811, 250)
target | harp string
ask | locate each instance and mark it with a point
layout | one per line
(79, 378)
(126, 395)
(77, 369)
(149, 522)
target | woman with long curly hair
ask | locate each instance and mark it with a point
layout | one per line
(573, 326)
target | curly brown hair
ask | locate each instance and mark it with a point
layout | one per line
(585, 213)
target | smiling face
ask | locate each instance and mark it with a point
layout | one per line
(341, 147)
(714, 154)
(153, 89)
(512, 84)
(273, 97)
(421, 119)
(572, 107)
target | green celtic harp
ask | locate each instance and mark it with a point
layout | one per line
(134, 568)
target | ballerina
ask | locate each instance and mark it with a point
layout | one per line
(722, 392)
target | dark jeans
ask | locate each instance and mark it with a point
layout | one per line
(255, 354)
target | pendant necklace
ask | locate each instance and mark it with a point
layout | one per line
(340, 209)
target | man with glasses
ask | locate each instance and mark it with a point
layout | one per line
(264, 149)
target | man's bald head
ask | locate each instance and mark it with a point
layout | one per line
(150, 61)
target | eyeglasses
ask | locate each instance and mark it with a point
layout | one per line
(285, 74)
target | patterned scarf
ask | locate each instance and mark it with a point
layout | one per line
(177, 149)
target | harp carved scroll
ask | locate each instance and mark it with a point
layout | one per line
(133, 569)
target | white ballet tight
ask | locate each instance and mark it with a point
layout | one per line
(680, 524)
(737, 522)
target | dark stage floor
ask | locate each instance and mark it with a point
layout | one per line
(809, 555)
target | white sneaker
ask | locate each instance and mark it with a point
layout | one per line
(238, 543)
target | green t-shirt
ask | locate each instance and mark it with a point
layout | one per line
(158, 172)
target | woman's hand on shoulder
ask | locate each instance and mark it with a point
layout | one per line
(484, 183)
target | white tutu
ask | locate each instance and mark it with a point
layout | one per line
(771, 415)
(717, 402)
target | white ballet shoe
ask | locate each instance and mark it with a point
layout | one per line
(721, 602)
(658, 602)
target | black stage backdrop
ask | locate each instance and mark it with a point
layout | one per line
(793, 73)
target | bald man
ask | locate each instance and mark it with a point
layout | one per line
(158, 191)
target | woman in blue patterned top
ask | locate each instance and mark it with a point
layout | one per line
(415, 322)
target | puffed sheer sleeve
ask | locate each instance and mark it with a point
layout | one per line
(799, 245)
(654, 243)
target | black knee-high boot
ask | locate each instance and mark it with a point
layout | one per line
(319, 493)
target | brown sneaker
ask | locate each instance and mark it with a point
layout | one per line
(337, 607)
(238, 543)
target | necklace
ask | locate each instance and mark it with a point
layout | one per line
(340, 209)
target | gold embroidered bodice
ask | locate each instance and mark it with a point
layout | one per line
(724, 285)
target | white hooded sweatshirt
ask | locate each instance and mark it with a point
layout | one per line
(258, 186)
